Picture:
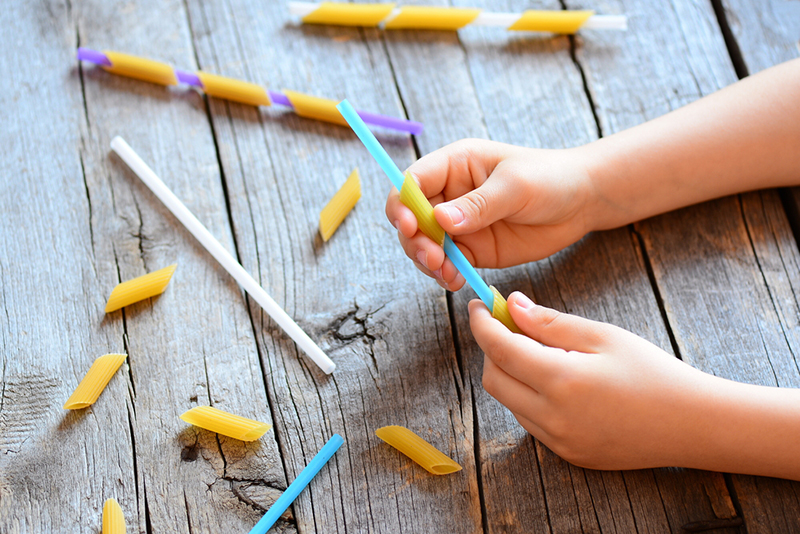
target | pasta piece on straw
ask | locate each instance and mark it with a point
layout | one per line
(348, 14)
(419, 450)
(113, 520)
(95, 381)
(236, 90)
(566, 22)
(431, 18)
(313, 107)
(501, 313)
(225, 423)
(140, 288)
(140, 68)
(414, 199)
(340, 205)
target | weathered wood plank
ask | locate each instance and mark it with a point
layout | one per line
(726, 270)
(393, 346)
(194, 345)
(56, 466)
(531, 93)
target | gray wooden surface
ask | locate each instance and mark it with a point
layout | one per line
(714, 284)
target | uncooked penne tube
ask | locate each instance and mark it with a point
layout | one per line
(225, 423)
(95, 381)
(340, 205)
(140, 288)
(419, 450)
(414, 199)
(313, 107)
(113, 520)
(501, 313)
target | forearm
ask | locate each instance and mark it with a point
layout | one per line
(742, 428)
(744, 137)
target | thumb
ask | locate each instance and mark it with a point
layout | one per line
(491, 201)
(555, 329)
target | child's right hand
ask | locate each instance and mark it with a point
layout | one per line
(503, 205)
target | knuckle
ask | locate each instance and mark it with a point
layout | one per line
(477, 202)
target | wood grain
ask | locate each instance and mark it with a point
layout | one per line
(392, 345)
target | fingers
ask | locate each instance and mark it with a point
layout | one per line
(517, 355)
(556, 329)
(494, 200)
(429, 258)
(513, 394)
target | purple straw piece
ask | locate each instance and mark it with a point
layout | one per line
(402, 125)
(374, 119)
(279, 98)
(188, 77)
(87, 54)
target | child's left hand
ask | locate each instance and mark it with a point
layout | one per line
(595, 394)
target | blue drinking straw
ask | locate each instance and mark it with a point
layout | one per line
(453, 252)
(299, 484)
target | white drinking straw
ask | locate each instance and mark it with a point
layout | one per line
(485, 18)
(199, 231)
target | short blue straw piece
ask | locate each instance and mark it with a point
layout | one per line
(453, 252)
(299, 484)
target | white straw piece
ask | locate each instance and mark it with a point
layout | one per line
(485, 18)
(216, 249)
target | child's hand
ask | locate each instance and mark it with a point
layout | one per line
(595, 394)
(503, 205)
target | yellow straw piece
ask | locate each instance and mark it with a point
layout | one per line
(113, 520)
(414, 199)
(432, 18)
(236, 90)
(225, 423)
(500, 311)
(345, 14)
(340, 205)
(313, 107)
(140, 288)
(418, 450)
(551, 21)
(95, 381)
(140, 68)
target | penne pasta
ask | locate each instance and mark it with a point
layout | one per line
(501, 313)
(419, 450)
(95, 381)
(345, 14)
(140, 68)
(340, 205)
(414, 199)
(225, 423)
(113, 519)
(551, 21)
(236, 90)
(140, 288)
(313, 107)
(432, 18)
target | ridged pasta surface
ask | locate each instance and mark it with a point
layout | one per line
(314, 107)
(419, 450)
(113, 520)
(236, 90)
(501, 313)
(551, 21)
(95, 381)
(340, 205)
(140, 68)
(345, 14)
(432, 18)
(227, 424)
(414, 199)
(140, 288)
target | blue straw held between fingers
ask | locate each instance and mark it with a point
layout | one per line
(453, 252)
(294, 489)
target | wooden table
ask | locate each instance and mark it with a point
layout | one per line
(715, 284)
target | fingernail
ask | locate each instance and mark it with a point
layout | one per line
(396, 225)
(437, 274)
(422, 257)
(523, 302)
(455, 214)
